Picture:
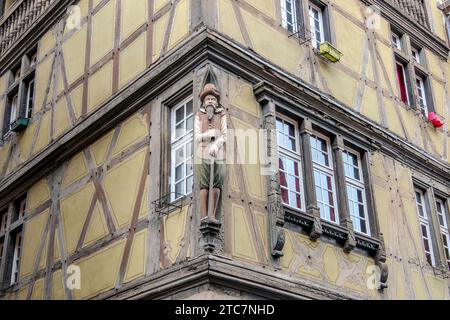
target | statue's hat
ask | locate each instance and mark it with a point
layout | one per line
(210, 89)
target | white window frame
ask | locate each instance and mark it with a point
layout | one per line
(294, 156)
(181, 142)
(396, 41)
(315, 42)
(445, 232)
(416, 55)
(16, 258)
(420, 84)
(285, 9)
(405, 82)
(30, 98)
(328, 171)
(359, 185)
(424, 221)
(14, 110)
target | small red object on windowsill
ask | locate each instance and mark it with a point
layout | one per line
(435, 120)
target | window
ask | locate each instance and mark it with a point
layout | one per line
(356, 191)
(416, 54)
(289, 15)
(402, 82)
(324, 177)
(16, 258)
(316, 25)
(422, 94)
(13, 110)
(21, 91)
(3, 221)
(29, 96)
(182, 175)
(19, 209)
(12, 229)
(442, 217)
(396, 41)
(291, 181)
(424, 226)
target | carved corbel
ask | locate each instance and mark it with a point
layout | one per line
(380, 261)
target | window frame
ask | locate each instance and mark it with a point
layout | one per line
(305, 222)
(358, 184)
(11, 240)
(330, 171)
(444, 229)
(396, 40)
(175, 144)
(20, 77)
(425, 221)
(294, 156)
(296, 18)
(406, 82)
(321, 19)
(416, 54)
(16, 259)
(422, 98)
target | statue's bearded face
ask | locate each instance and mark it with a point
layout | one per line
(210, 103)
(210, 100)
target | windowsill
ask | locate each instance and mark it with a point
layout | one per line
(331, 230)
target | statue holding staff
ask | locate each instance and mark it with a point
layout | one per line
(210, 137)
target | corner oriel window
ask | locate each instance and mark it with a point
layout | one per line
(324, 178)
(356, 191)
(291, 181)
(289, 15)
(425, 230)
(182, 139)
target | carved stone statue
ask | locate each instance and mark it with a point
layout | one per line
(210, 137)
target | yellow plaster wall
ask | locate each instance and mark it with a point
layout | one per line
(100, 266)
(74, 209)
(50, 73)
(102, 32)
(100, 271)
(134, 14)
(128, 173)
(34, 231)
(341, 79)
(174, 233)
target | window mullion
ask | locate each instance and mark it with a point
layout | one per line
(309, 183)
(345, 219)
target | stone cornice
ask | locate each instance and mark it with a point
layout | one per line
(418, 33)
(246, 277)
